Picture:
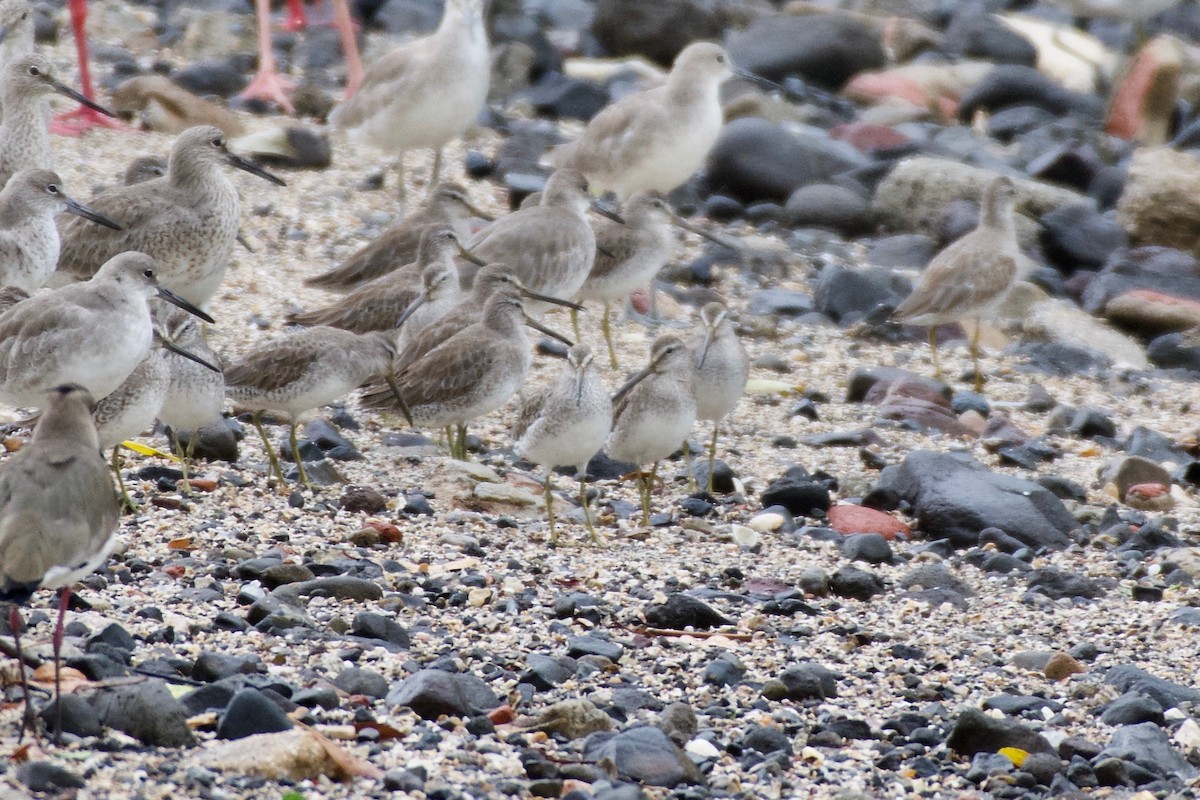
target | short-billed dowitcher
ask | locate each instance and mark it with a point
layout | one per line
(423, 93)
(130, 409)
(399, 244)
(58, 514)
(564, 425)
(417, 293)
(653, 412)
(92, 333)
(29, 240)
(27, 83)
(722, 369)
(656, 139)
(306, 369)
(187, 220)
(971, 277)
(195, 392)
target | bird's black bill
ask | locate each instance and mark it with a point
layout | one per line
(632, 382)
(174, 348)
(67, 91)
(254, 169)
(404, 409)
(720, 241)
(604, 251)
(469, 256)
(545, 298)
(757, 80)
(607, 212)
(80, 210)
(537, 326)
(408, 312)
(176, 300)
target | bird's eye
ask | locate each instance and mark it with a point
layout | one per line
(149, 274)
(34, 71)
(51, 188)
(24, 15)
(218, 142)
(720, 59)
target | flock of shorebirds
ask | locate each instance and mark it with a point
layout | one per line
(102, 309)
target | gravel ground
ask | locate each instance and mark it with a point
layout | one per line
(182, 561)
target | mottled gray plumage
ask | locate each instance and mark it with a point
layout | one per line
(187, 220)
(144, 168)
(16, 32)
(132, 407)
(398, 245)
(58, 510)
(722, 369)
(195, 394)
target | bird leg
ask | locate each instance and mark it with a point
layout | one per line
(712, 456)
(354, 67)
(975, 357)
(550, 511)
(64, 598)
(15, 623)
(937, 365)
(127, 503)
(401, 188)
(268, 84)
(297, 20)
(587, 515)
(461, 435)
(687, 454)
(184, 455)
(296, 454)
(276, 467)
(575, 324)
(606, 326)
(437, 169)
(79, 120)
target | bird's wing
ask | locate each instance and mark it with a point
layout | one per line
(31, 332)
(615, 244)
(450, 369)
(531, 409)
(394, 248)
(961, 278)
(615, 134)
(375, 306)
(398, 74)
(273, 365)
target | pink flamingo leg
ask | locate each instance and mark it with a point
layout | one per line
(297, 20)
(268, 84)
(354, 67)
(74, 123)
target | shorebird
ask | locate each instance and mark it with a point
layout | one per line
(187, 220)
(29, 240)
(551, 246)
(28, 81)
(971, 277)
(16, 32)
(656, 139)
(303, 370)
(470, 374)
(130, 409)
(408, 298)
(58, 514)
(398, 245)
(722, 369)
(143, 168)
(654, 411)
(195, 392)
(92, 333)
(564, 425)
(425, 92)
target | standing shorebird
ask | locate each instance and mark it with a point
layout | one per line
(303, 370)
(92, 333)
(415, 294)
(58, 514)
(195, 392)
(656, 139)
(654, 411)
(28, 81)
(130, 409)
(971, 277)
(471, 374)
(722, 369)
(187, 220)
(551, 246)
(29, 240)
(564, 425)
(400, 243)
(423, 93)
(16, 32)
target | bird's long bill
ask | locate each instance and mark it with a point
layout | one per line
(412, 308)
(720, 241)
(246, 164)
(4, 31)
(477, 211)
(758, 80)
(67, 91)
(395, 387)
(537, 326)
(176, 300)
(174, 348)
(80, 210)
(708, 337)
(545, 298)
(469, 256)
(579, 370)
(605, 211)
(625, 389)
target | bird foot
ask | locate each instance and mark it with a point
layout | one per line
(81, 120)
(271, 87)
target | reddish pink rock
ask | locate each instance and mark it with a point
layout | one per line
(868, 137)
(860, 519)
(1144, 100)
(873, 88)
(1153, 312)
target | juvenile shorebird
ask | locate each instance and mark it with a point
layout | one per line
(130, 409)
(412, 296)
(971, 277)
(29, 240)
(654, 411)
(195, 392)
(550, 246)
(400, 243)
(656, 139)
(92, 333)
(303, 370)
(28, 81)
(187, 220)
(564, 425)
(58, 513)
(423, 93)
(722, 369)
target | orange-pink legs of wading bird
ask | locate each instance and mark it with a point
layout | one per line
(76, 122)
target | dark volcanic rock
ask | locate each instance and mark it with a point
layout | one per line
(976, 732)
(433, 692)
(824, 49)
(146, 711)
(684, 611)
(657, 30)
(643, 754)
